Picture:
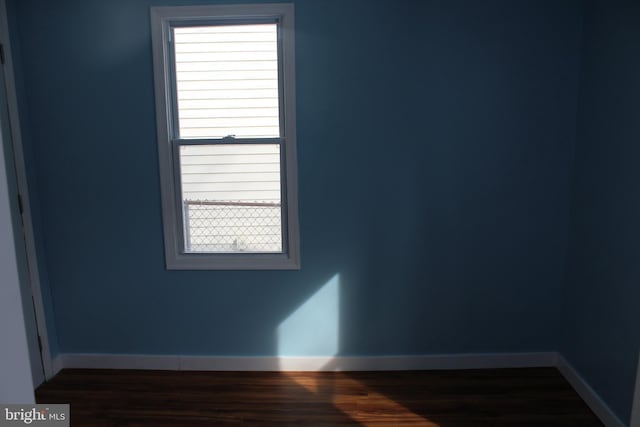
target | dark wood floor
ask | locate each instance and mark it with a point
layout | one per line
(469, 398)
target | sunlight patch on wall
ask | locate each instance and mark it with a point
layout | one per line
(313, 329)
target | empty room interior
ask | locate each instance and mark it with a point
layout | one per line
(321, 212)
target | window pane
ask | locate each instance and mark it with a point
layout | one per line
(231, 198)
(227, 81)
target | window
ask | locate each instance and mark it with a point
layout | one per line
(225, 107)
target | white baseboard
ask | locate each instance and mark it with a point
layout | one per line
(371, 363)
(340, 363)
(345, 363)
(589, 395)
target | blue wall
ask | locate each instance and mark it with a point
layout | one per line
(435, 142)
(603, 296)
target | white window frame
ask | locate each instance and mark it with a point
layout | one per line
(162, 20)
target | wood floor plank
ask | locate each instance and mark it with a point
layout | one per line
(537, 397)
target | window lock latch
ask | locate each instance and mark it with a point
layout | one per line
(229, 138)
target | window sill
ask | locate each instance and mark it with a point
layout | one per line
(194, 261)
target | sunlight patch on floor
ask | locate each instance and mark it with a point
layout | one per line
(363, 405)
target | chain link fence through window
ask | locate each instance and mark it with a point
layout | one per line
(231, 226)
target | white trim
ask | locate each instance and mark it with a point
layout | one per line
(288, 363)
(23, 189)
(57, 364)
(17, 325)
(591, 398)
(371, 363)
(635, 413)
